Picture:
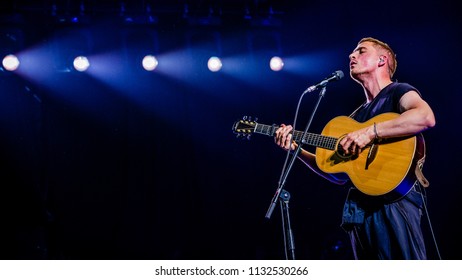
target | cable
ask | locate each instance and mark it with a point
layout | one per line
(422, 190)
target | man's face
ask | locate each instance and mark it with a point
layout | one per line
(364, 59)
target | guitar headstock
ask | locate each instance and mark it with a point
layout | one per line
(244, 127)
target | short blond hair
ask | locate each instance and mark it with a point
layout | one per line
(392, 62)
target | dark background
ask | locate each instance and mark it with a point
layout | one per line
(144, 165)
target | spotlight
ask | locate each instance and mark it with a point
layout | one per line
(276, 63)
(10, 62)
(81, 63)
(150, 62)
(214, 64)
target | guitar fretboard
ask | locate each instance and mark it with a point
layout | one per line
(317, 140)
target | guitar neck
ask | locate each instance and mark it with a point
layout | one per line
(317, 140)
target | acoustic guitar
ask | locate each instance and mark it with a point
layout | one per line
(383, 168)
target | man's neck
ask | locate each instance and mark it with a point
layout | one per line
(373, 87)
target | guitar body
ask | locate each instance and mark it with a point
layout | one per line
(390, 173)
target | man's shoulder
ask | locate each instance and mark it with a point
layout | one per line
(401, 85)
(401, 88)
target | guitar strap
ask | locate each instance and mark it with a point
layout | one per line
(418, 172)
(357, 109)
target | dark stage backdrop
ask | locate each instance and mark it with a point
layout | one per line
(144, 165)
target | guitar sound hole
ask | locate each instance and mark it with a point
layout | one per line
(343, 155)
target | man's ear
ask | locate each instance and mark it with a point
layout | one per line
(382, 60)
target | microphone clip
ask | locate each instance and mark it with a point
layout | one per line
(337, 75)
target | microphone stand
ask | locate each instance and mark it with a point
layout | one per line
(283, 196)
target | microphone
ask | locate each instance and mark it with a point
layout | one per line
(337, 75)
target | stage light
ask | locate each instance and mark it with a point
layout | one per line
(10, 62)
(276, 63)
(12, 42)
(81, 63)
(214, 64)
(150, 62)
